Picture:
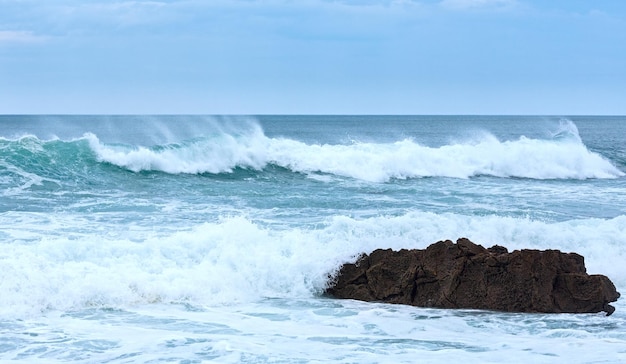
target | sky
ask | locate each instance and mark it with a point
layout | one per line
(248, 57)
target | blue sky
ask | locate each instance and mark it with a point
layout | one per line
(556, 57)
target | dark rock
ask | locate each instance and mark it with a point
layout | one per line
(466, 275)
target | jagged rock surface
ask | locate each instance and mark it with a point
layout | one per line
(467, 275)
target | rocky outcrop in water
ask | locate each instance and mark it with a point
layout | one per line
(467, 275)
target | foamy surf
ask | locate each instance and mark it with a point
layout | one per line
(237, 260)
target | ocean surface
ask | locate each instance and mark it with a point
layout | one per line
(190, 239)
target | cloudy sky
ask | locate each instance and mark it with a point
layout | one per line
(556, 57)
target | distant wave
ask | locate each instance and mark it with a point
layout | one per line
(564, 156)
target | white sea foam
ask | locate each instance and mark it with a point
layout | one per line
(236, 260)
(25, 180)
(315, 331)
(563, 157)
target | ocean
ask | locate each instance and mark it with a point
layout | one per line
(191, 239)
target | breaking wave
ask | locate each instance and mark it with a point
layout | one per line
(564, 156)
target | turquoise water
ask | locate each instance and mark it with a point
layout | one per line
(199, 238)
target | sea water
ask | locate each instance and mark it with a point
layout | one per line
(153, 239)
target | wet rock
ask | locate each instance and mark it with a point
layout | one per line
(466, 275)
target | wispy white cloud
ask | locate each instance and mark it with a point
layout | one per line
(120, 13)
(478, 4)
(20, 36)
(74, 17)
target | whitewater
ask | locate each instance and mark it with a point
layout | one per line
(147, 239)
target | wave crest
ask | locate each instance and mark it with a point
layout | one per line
(562, 157)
